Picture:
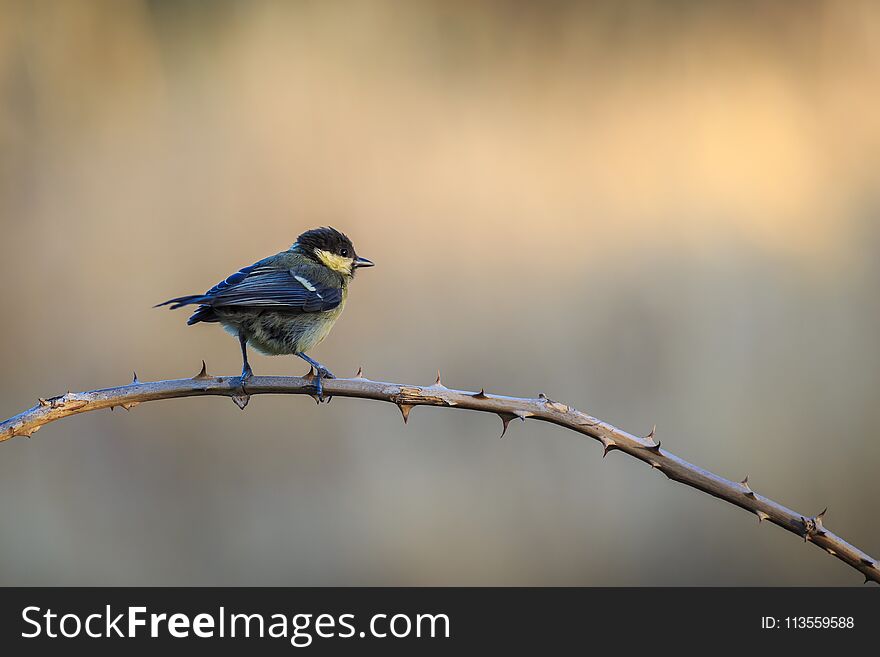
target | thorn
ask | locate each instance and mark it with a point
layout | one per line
(134, 379)
(360, 373)
(656, 446)
(111, 408)
(24, 433)
(310, 374)
(203, 373)
(481, 395)
(329, 399)
(129, 405)
(831, 552)
(241, 400)
(761, 516)
(43, 402)
(813, 526)
(748, 492)
(438, 383)
(867, 562)
(404, 410)
(653, 448)
(505, 419)
(654, 465)
(608, 445)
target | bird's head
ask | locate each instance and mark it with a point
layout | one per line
(332, 249)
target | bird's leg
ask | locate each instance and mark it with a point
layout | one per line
(320, 369)
(321, 372)
(241, 398)
(246, 371)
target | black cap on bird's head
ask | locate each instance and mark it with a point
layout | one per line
(332, 249)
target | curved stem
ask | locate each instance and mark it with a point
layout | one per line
(809, 528)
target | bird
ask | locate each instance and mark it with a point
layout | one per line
(286, 303)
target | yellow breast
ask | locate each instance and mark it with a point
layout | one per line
(319, 330)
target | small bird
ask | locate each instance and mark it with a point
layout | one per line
(286, 303)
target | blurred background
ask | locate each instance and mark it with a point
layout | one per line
(659, 212)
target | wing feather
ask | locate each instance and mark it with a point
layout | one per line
(276, 289)
(261, 287)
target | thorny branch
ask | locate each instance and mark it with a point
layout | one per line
(647, 449)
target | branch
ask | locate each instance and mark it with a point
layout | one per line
(647, 449)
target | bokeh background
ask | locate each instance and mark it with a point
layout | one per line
(659, 212)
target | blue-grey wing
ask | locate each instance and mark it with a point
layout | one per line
(237, 277)
(260, 287)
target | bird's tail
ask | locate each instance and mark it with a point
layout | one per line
(204, 313)
(180, 302)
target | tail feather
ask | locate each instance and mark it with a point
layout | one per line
(203, 314)
(179, 302)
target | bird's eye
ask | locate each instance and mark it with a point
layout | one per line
(344, 253)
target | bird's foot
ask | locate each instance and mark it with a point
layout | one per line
(241, 397)
(320, 373)
(317, 372)
(324, 373)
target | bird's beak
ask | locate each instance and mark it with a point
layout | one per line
(363, 262)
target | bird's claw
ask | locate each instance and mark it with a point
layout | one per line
(317, 372)
(322, 373)
(241, 397)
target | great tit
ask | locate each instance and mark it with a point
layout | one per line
(286, 303)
